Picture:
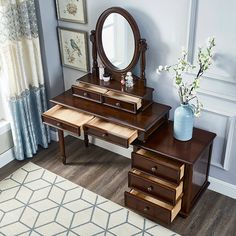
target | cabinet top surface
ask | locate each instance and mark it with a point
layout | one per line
(163, 142)
(142, 121)
(138, 90)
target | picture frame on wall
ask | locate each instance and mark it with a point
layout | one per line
(74, 48)
(72, 11)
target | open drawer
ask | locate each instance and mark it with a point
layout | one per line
(110, 132)
(158, 165)
(158, 187)
(150, 207)
(89, 92)
(122, 101)
(66, 119)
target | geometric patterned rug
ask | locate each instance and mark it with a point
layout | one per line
(36, 202)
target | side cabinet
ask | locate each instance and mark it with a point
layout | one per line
(168, 176)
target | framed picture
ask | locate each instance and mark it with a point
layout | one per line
(72, 10)
(74, 48)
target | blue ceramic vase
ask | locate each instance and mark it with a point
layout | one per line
(183, 122)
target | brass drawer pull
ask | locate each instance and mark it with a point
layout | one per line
(118, 104)
(85, 94)
(154, 169)
(146, 209)
(150, 189)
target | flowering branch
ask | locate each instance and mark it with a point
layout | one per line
(187, 90)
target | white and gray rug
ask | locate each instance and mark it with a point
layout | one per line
(34, 201)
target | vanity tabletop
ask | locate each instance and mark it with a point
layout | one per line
(138, 90)
(142, 121)
(162, 142)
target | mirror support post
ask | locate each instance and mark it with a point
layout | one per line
(94, 52)
(143, 48)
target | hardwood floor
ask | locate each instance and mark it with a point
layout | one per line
(105, 173)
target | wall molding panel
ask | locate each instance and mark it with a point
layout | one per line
(218, 87)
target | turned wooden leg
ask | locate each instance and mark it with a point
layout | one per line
(62, 146)
(86, 140)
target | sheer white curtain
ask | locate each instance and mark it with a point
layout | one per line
(22, 75)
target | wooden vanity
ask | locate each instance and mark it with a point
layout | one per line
(162, 183)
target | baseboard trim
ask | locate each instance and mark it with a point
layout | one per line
(6, 157)
(222, 187)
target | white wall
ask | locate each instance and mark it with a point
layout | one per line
(167, 26)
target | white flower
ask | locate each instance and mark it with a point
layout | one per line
(166, 67)
(158, 72)
(160, 69)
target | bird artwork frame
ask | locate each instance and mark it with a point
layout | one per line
(72, 11)
(74, 48)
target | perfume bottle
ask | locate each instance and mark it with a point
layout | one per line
(129, 80)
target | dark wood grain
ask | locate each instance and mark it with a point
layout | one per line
(87, 94)
(158, 190)
(195, 154)
(163, 142)
(138, 90)
(106, 173)
(143, 121)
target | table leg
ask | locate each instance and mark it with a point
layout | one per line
(62, 146)
(86, 140)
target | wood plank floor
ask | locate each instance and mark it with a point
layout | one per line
(105, 173)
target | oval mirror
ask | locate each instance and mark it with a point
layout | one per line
(117, 37)
(118, 41)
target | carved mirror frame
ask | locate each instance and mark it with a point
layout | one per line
(98, 50)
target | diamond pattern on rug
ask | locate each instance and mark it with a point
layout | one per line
(36, 202)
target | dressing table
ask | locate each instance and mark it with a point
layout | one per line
(125, 115)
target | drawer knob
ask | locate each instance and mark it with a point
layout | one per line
(85, 94)
(146, 209)
(154, 169)
(150, 189)
(58, 124)
(118, 104)
(104, 135)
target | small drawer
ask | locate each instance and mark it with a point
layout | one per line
(155, 186)
(88, 92)
(158, 165)
(122, 101)
(111, 132)
(66, 119)
(150, 207)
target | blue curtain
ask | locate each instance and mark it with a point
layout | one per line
(28, 131)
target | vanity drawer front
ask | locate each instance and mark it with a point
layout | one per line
(65, 119)
(158, 166)
(160, 188)
(122, 105)
(110, 132)
(86, 94)
(150, 207)
(59, 124)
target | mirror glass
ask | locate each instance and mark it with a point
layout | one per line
(118, 41)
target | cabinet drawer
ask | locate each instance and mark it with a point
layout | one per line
(111, 132)
(158, 165)
(151, 207)
(157, 187)
(122, 101)
(88, 92)
(65, 119)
